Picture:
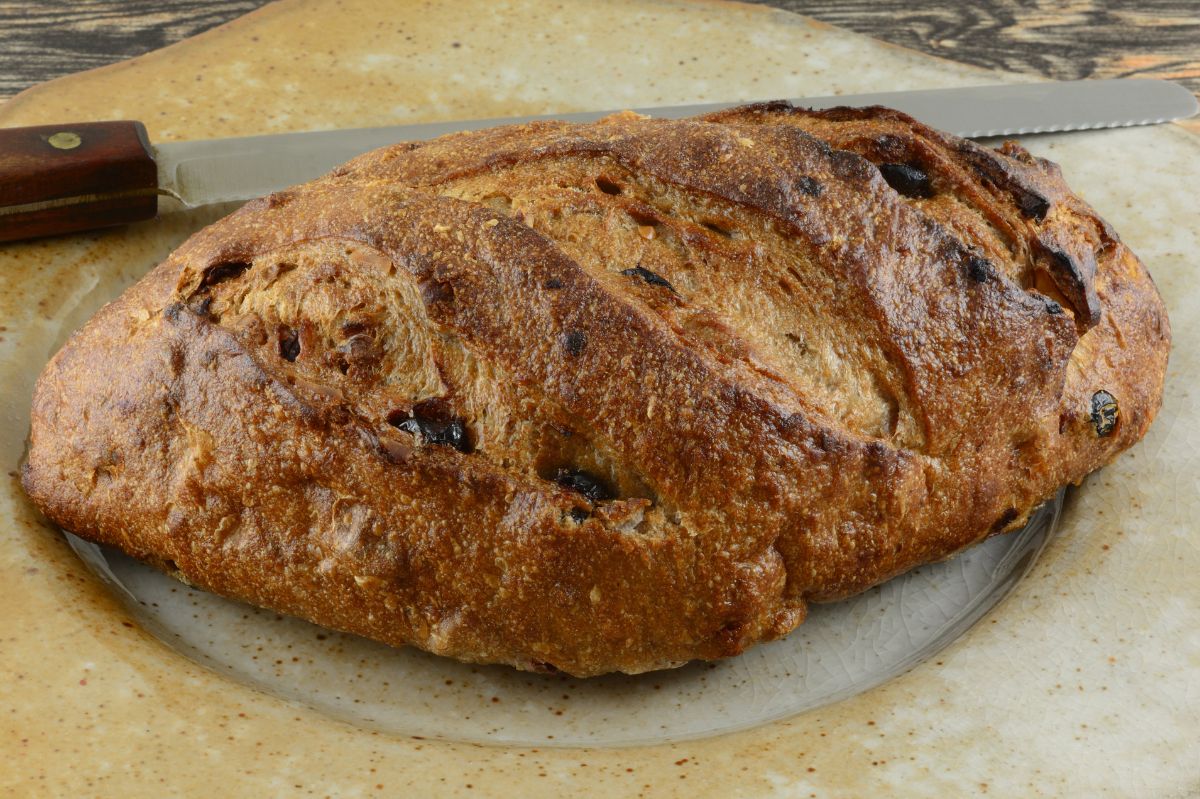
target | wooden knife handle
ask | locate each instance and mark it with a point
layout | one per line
(65, 178)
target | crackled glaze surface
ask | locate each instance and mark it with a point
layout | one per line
(1081, 683)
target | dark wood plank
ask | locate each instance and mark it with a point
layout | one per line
(42, 40)
(1053, 38)
(1063, 39)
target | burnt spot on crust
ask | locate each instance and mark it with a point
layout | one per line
(908, 180)
(809, 186)
(1105, 413)
(978, 269)
(289, 344)
(579, 515)
(574, 342)
(225, 270)
(653, 278)
(434, 424)
(584, 483)
(553, 283)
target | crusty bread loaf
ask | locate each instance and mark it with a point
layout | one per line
(611, 396)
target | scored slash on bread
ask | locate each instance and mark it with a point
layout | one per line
(606, 397)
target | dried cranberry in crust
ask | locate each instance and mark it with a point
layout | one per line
(1105, 413)
(653, 278)
(450, 432)
(907, 179)
(587, 484)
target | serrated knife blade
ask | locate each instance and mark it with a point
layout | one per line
(203, 172)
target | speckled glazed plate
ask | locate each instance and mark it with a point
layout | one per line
(1081, 682)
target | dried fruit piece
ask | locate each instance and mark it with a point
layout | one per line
(978, 269)
(1032, 205)
(907, 179)
(1105, 413)
(653, 278)
(450, 432)
(585, 483)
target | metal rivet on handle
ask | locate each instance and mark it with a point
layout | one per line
(65, 140)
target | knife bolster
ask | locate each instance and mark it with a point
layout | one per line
(66, 178)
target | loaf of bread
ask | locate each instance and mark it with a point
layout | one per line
(606, 397)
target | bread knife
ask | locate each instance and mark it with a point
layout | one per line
(66, 178)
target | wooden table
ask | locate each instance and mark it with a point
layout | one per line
(1062, 39)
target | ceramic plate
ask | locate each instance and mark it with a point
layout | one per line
(842, 649)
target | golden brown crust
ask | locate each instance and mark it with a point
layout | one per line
(606, 397)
